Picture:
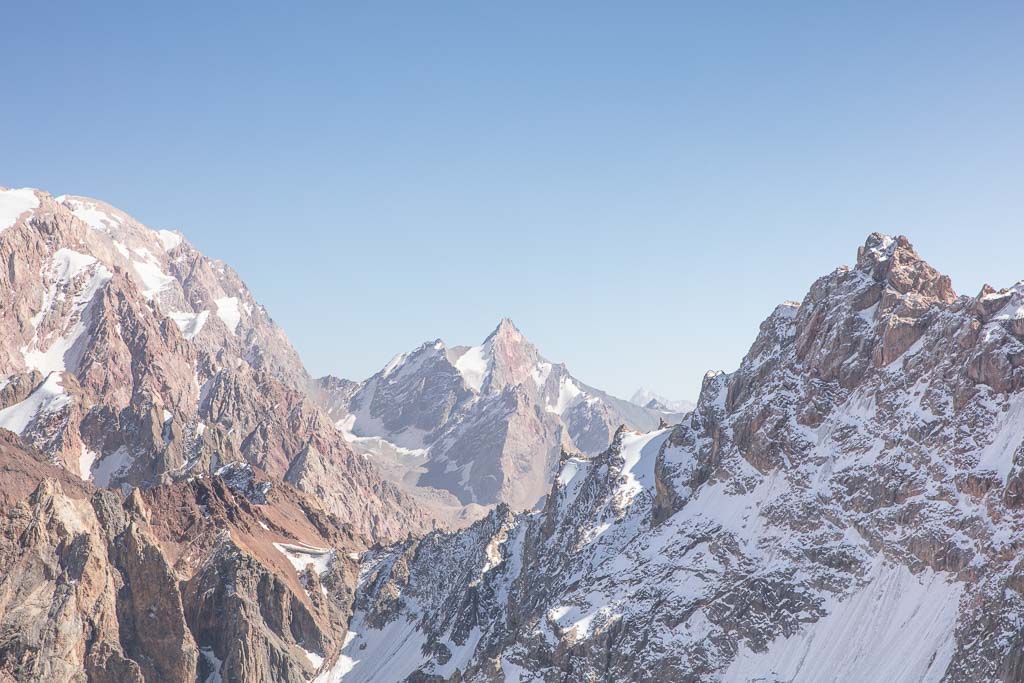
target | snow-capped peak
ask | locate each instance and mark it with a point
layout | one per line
(646, 398)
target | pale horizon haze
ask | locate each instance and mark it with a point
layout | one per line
(635, 186)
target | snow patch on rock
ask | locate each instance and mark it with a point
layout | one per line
(48, 398)
(189, 323)
(169, 239)
(473, 366)
(301, 555)
(69, 275)
(13, 203)
(229, 312)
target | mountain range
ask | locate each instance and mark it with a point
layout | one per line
(474, 426)
(649, 399)
(181, 501)
(844, 506)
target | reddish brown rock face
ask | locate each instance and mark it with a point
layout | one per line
(183, 579)
(134, 360)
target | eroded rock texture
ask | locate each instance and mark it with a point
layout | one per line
(844, 506)
(175, 583)
(133, 360)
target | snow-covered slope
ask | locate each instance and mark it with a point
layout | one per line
(481, 424)
(848, 505)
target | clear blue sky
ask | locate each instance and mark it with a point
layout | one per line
(635, 184)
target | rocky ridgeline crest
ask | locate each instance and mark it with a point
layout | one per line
(477, 426)
(845, 506)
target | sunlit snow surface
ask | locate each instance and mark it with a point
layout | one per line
(49, 397)
(13, 203)
(189, 323)
(110, 465)
(85, 461)
(639, 452)
(72, 282)
(228, 311)
(472, 365)
(90, 213)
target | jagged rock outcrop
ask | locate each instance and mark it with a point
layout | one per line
(133, 360)
(844, 506)
(181, 582)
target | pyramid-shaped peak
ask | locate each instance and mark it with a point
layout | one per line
(506, 328)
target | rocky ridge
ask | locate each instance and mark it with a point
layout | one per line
(845, 506)
(481, 425)
(191, 581)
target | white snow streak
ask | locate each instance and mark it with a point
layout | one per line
(13, 203)
(228, 311)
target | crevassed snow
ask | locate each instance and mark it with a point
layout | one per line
(301, 555)
(189, 323)
(49, 397)
(899, 627)
(229, 312)
(169, 239)
(472, 365)
(13, 203)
